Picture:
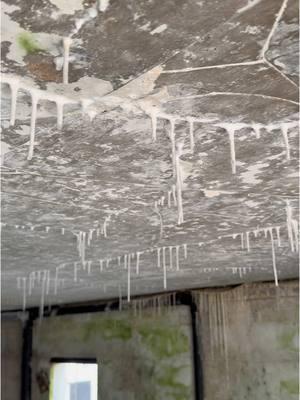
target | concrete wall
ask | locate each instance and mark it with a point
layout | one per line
(11, 358)
(249, 341)
(140, 357)
(247, 335)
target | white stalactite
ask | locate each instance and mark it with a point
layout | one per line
(273, 256)
(154, 124)
(191, 131)
(67, 41)
(14, 87)
(35, 100)
(284, 130)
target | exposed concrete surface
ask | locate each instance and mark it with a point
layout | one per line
(249, 338)
(11, 358)
(145, 355)
(210, 62)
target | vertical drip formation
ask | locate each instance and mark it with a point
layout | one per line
(36, 95)
(14, 87)
(231, 132)
(128, 278)
(179, 183)
(35, 100)
(81, 245)
(292, 228)
(273, 256)
(284, 130)
(247, 241)
(154, 124)
(191, 132)
(67, 41)
(173, 144)
(60, 113)
(256, 128)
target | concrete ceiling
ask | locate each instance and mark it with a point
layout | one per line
(222, 74)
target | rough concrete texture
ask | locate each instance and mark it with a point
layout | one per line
(249, 338)
(140, 356)
(11, 358)
(200, 65)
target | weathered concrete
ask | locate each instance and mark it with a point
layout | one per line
(11, 358)
(249, 338)
(146, 356)
(231, 62)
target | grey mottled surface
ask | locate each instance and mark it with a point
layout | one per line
(110, 167)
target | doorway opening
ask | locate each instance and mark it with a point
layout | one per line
(74, 379)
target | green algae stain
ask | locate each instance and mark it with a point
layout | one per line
(27, 43)
(290, 386)
(108, 329)
(288, 339)
(164, 342)
(174, 389)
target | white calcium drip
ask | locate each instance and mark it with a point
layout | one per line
(48, 280)
(191, 131)
(169, 198)
(177, 258)
(278, 236)
(89, 267)
(60, 114)
(35, 100)
(154, 124)
(284, 130)
(256, 128)
(75, 272)
(101, 265)
(14, 87)
(247, 241)
(171, 256)
(174, 194)
(295, 228)
(67, 41)
(128, 279)
(242, 240)
(36, 95)
(30, 284)
(125, 261)
(164, 268)
(42, 301)
(81, 242)
(24, 293)
(185, 250)
(179, 183)
(158, 257)
(231, 128)
(232, 149)
(164, 256)
(289, 219)
(173, 143)
(273, 256)
(137, 267)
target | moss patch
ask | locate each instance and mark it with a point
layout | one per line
(164, 342)
(287, 340)
(290, 386)
(108, 329)
(27, 43)
(174, 389)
